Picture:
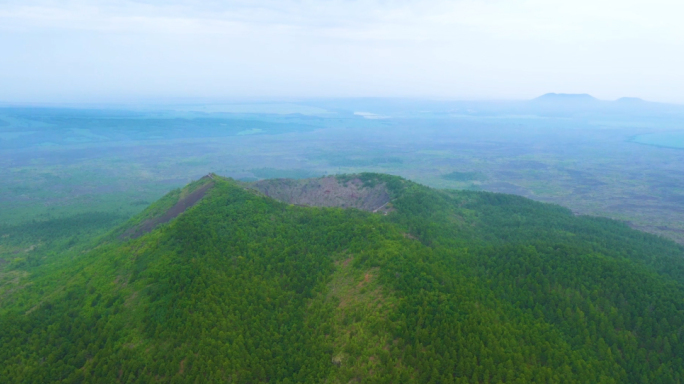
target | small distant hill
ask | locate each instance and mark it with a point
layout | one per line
(570, 104)
(566, 98)
(630, 100)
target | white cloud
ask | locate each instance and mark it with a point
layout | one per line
(576, 20)
(462, 48)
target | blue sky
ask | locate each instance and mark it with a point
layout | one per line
(76, 51)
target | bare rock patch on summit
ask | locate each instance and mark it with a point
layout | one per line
(183, 204)
(326, 192)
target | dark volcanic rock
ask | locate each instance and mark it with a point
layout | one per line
(181, 206)
(326, 192)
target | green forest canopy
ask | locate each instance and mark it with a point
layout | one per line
(449, 287)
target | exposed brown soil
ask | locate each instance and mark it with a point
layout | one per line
(181, 206)
(327, 192)
(366, 278)
(410, 236)
(182, 367)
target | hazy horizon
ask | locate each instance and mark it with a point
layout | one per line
(181, 102)
(138, 51)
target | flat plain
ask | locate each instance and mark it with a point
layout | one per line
(59, 163)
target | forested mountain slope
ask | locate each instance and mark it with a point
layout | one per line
(438, 287)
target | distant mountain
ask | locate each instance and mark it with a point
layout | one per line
(566, 98)
(278, 281)
(565, 104)
(630, 100)
(585, 105)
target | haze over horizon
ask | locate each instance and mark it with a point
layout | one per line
(118, 51)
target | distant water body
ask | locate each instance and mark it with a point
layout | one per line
(662, 139)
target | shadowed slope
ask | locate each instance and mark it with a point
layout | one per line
(187, 198)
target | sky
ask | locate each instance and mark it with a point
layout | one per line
(100, 51)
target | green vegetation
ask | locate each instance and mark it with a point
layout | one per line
(362, 161)
(661, 139)
(59, 162)
(272, 173)
(462, 176)
(33, 242)
(448, 287)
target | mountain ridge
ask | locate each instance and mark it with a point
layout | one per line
(448, 286)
